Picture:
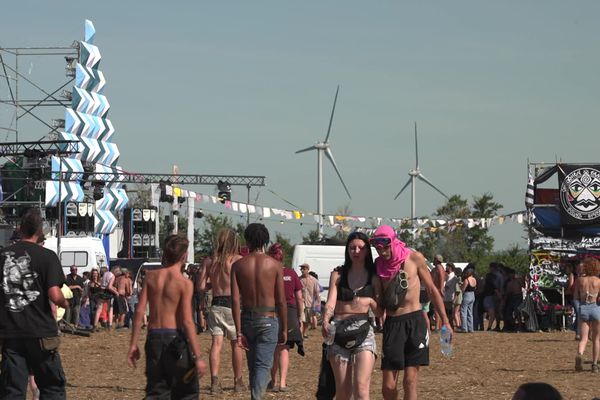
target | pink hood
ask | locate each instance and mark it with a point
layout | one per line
(387, 269)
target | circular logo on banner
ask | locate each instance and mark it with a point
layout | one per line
(580, 194)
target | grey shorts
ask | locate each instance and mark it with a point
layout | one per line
(220, 322)
(589, 312)
(346, 355)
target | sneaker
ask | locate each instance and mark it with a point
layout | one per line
(271, 387)
(239, 386)
(215, 386)
(578, 363)
(594, 368)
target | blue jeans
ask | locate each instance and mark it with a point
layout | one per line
(466, 311)
(261, 333)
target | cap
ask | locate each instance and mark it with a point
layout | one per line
(438, 258)
(304, 266)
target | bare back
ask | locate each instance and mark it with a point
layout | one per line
(123, 284)
(220, 276)
(588, 289)
(165, 291)
(257, 278)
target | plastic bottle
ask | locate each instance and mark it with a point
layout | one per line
(446, 341)
(331, 336)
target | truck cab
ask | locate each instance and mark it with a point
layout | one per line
(86, 253)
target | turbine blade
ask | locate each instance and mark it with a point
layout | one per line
(416, 148)
(306, 149)
(403, 187)
(332, 112)
(421, 177)
(329, 155)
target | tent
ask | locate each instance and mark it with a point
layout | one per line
(564, 225)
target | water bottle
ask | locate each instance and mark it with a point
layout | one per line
(329, 339)
(446, 341)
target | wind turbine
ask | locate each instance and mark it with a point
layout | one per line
(415, 174)
(324, 148)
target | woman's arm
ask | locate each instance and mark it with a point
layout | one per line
(331, 301)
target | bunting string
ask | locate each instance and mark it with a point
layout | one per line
(366, 224)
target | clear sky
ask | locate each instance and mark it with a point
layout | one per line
(236, 87)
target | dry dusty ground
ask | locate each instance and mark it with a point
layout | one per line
(485, 365)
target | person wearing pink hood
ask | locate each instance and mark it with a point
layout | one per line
(405, 336)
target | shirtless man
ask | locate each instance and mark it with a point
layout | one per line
(124, 286)
(405, 335)
(257, 292)
(220, 319)
(173, 363)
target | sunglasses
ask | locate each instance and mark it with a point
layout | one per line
(379, 242)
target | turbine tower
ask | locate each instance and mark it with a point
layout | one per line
(415, 174)
(324, 148)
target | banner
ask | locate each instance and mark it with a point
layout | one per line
(579, 194)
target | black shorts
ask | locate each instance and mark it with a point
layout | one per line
(170, 369)
(120, 306)
(405, 342)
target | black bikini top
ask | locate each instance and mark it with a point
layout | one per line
(344, 292)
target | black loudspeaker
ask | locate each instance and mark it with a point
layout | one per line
(139, 229)
(78, 219)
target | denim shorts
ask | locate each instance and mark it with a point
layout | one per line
(346, 355)
(589, 312)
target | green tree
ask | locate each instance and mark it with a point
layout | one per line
(461, 243)
(287, 247)
(211, 225)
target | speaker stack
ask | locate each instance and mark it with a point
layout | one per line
(139, 231)
(78, 219)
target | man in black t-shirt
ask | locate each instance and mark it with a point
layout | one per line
(75, 283)
(31, 277)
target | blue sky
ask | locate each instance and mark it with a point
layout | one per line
(236, 87)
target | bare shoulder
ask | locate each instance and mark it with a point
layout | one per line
(417, 257)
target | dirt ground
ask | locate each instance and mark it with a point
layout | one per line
(484, 365)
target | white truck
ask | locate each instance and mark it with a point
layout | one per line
(83, 252)
(322, 260)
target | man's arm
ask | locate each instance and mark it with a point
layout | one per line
(442, 281)
(138, 317)
(281, 303)
(235, 304)
(56, 296)
(300, 304)
(316, 294)
(434, 293)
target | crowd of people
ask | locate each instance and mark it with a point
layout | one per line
(471, 299)
(264, 309)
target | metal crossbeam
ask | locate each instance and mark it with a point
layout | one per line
(128, 177)
(40, 148)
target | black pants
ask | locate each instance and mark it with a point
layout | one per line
(19, 356)
(168, 360)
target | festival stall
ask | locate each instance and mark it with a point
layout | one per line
(564, 228)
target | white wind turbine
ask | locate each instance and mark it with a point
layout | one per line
(415, 174)
(324, 148)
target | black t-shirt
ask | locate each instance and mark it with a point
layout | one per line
(78, 280)
(28, 271)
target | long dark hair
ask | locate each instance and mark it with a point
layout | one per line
(369, 264)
